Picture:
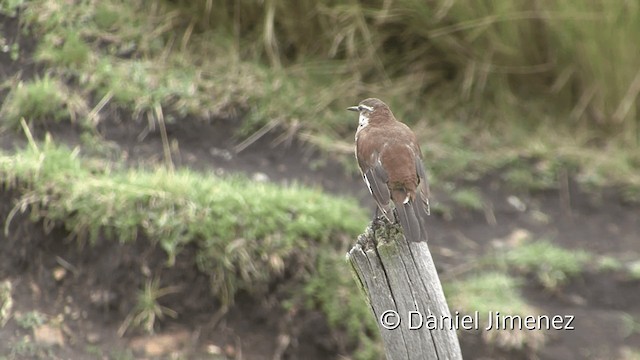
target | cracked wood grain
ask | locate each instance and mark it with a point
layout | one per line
(400, 276)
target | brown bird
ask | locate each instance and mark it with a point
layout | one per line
(390, 161)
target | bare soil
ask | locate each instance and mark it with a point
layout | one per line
(92, 288)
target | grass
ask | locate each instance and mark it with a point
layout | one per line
(342, 308)
(490, 292)
(25, 347)
(67, 49)
(125, 51)
(246, 233)
(41, 100)
(10, 7)
(30, 320)
(488, 87)
(147, 309)
(477, 111)
(634, 270)
(500, 59)
(551, 265)
(6, 302)
(608, 263)
(468, 198)
(630, 324)
(182, 207)
(487, 292)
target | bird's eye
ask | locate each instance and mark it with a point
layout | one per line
(365, 107)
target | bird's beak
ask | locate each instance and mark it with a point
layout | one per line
(353, 108)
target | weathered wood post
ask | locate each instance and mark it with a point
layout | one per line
(401, 284)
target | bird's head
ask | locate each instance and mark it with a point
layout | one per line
(372, 110)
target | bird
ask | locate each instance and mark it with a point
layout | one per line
(390, 161)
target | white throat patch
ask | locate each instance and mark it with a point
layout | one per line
(363, 121)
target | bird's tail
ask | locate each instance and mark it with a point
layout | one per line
(411, 225)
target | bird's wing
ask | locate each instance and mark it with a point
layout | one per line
(422, 195)
(412, 213)
(376, 179)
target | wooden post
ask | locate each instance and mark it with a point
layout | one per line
(401, 284)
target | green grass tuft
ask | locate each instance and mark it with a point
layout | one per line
(634, 270)
(30, 320)
(10, 7)
(66, 49)
(490, 292)
(609, 263)
(25, 347)
(551, 265)
(468, 198)
(43, 99)
(148, 309)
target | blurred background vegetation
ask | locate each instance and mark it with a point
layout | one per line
(552, 81)
(570, 62)
(555, 62)
(528, 90)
